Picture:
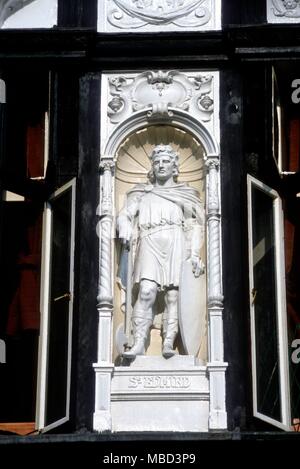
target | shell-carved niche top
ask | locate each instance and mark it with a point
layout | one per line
(133, 163)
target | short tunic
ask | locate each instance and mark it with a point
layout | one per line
(161, 241)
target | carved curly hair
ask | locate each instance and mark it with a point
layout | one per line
(167, 150)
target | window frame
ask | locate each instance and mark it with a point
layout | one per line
(277, 120)
(282, 343)
(41, 400)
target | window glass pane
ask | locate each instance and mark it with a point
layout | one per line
(266, 335)
(292, 246)
(19, 311)
(59, 309)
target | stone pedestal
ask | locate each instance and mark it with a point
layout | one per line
(155, 394)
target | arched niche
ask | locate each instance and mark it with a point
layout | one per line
(132, 165)
(177, 118)
(127, 139)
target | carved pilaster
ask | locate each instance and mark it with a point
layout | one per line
(215, 296)
(105, 297)
(216, 366)
(217, 385)
(104, 367)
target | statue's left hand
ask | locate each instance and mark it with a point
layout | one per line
(198, 266)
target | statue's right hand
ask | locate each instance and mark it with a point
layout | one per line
(125, 243)
(124, 229)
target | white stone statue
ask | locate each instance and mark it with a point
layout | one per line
(167, 219)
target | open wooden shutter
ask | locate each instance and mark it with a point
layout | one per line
(53, 397)
(269, 342)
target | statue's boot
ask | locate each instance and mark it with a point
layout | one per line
(170, 331)
(141, 326)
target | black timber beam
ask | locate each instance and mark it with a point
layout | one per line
(236, 12)
(85, 48)
(44, 45)
(141, 49)
(77, 13)
(264, 41)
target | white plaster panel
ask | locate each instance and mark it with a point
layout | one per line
(216, 331)
(158, 15)
(105, 335)
(34, 14)
(102, 421)
(131, 100)
(283, 11)
(218, 414)
(104, 388)
(154, 394)
(151, 416)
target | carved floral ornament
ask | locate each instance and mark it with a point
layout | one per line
(286, 8)
(135, 14)
(159, 93)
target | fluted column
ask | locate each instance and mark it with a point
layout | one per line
(216, 366)
(104, 366)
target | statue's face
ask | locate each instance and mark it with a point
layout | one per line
(163, 167)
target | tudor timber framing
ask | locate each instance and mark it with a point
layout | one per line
(85, 48)
(86, 51)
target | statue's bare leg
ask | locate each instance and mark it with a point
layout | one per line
(170, 322)
(142, 317)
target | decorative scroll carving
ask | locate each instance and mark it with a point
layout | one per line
(135, 14)
(286, 8)
(158, 92)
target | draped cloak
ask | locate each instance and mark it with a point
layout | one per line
(163, 218)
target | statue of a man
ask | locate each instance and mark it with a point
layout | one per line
(170, 229)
